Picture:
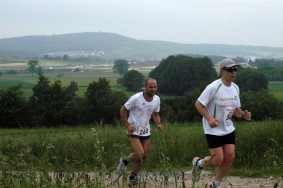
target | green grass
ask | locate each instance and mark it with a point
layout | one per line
(276, 88)
(258, 153)
(27, 154)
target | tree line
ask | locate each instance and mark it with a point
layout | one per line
(180, 81)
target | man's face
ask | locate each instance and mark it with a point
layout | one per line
(151, 87)
(229, 73)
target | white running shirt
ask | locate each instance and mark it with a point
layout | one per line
(220, 101)
(140, 112)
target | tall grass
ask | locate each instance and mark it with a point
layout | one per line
(65, 156)
(259, 146)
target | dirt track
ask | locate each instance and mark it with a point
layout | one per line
(184, 180)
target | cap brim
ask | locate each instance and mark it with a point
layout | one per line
(229, 66)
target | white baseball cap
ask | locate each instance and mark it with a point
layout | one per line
(227, 63)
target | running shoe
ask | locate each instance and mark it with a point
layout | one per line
(135, 181)
(214, 185)
(121, 166)
(196, 170)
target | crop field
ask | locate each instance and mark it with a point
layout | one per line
(14, 71)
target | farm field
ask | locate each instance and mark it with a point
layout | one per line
(14, 72)
(89, 72)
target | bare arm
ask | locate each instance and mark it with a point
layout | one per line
(246, 115)
(124, 119)
(156, 119)
(202, 110)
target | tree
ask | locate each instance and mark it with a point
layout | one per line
(251, 80)
(262, 105)
(133, 80)
(101, 105)
(51, 102)
(65, 57)
(179, 74)
(12, 107)
(39, 71)
(121, 66)
(32, 65)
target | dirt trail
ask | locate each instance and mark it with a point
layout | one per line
(184, 180)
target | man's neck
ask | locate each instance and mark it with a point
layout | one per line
(147, 97)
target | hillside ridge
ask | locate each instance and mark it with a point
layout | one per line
(115, 46)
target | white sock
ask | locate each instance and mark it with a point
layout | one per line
(217, 183)
(199, 163)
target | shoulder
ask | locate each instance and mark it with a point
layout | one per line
(215, 85)
(137, 95)
(236, 86)
(156, 98)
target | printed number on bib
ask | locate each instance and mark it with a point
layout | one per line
(228, 114)
(143, 130)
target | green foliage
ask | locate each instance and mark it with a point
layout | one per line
(262, 105)
(99, 148)
(272, 73)
(271, 68)
(121, 66)
(12, 107)
(101, 104)
(49, 102)
(39, 70)
(258, 149)
(32, 65)
(251, 80)
(179, 74)
(133, 80)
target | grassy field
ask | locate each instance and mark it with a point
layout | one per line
(93, 148)
(276, 88)
(60, 70)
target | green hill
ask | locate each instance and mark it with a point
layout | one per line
(113, 46)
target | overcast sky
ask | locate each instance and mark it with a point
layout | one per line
(248, 22)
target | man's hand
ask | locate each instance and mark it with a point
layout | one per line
(247, 115)
(212, 122)
(130, 129)
(160, 127)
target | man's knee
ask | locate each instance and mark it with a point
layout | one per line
(217, 160)
(229, 158)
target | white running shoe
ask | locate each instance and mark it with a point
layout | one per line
(121, 166)
(214, 185)
(196, 170)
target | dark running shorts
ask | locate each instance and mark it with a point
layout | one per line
(214, 141)
(140, 137)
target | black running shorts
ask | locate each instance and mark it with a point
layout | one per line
(140, 137)
(214, 141)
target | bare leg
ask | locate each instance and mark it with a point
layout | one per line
(141, 149)
(221, 157)
(229, 156)
(215, 158)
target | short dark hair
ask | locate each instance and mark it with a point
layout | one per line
(146, 81)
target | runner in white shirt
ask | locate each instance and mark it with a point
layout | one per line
(218, 103)
(135, 115)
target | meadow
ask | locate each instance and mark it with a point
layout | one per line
(97, 149)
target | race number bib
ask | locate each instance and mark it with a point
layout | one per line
(143, 130)
(228, 114)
